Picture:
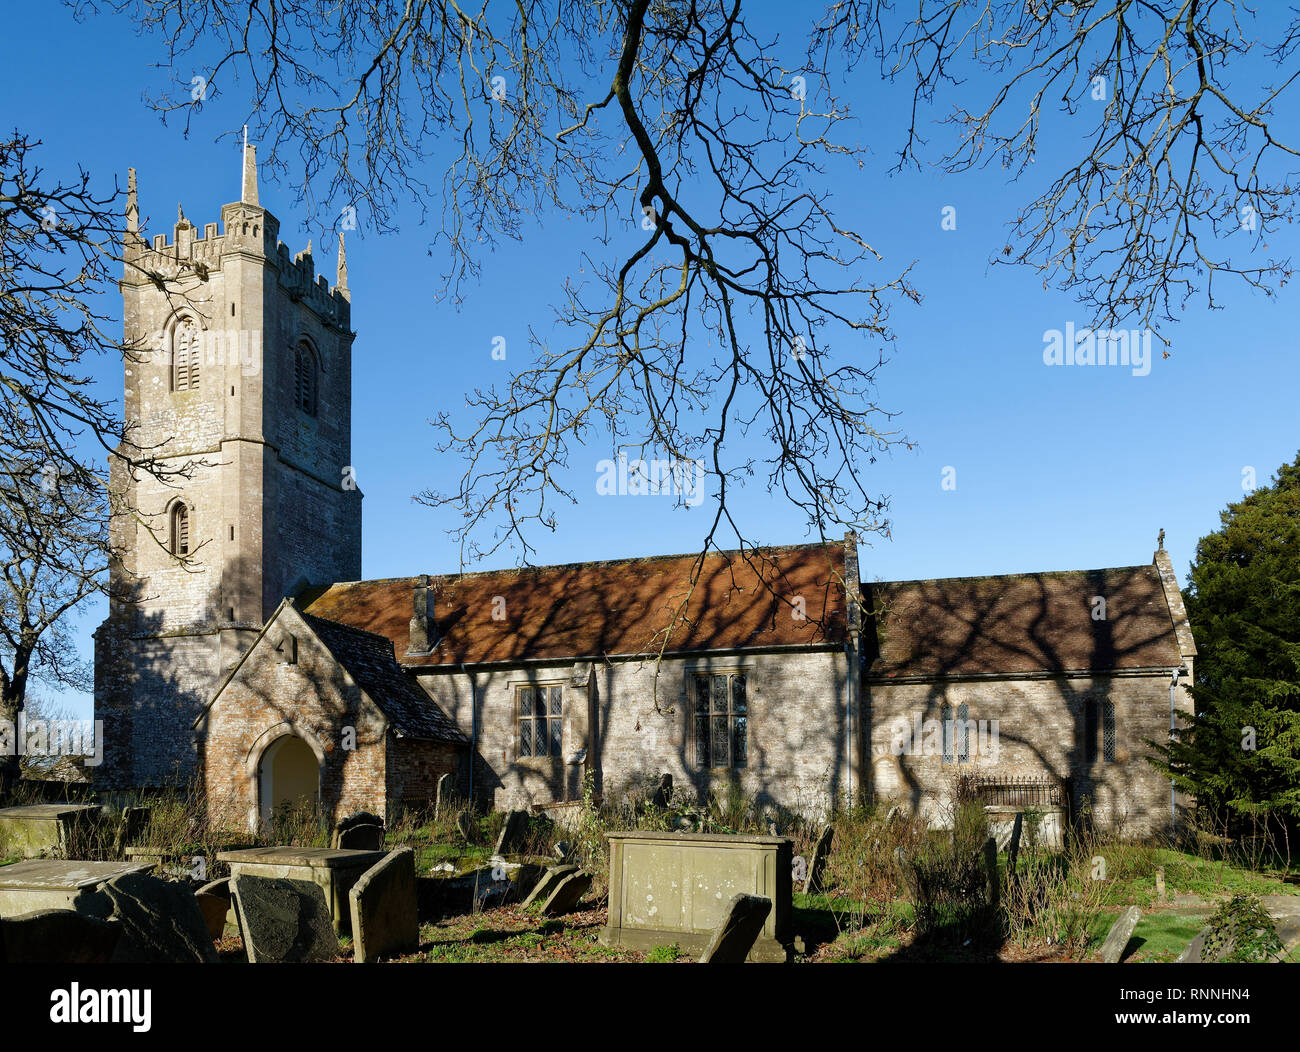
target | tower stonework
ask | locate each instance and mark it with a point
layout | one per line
(241, 386)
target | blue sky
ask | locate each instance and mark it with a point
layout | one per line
(1056, 468)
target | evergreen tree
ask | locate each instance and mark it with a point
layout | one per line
(1240, 755)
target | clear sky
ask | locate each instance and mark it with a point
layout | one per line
(1056, 468)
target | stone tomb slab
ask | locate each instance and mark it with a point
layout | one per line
(334, 870)
(33, 830)
(669, 888)
(57, 884)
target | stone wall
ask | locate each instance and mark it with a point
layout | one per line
(1040, 732)
(798, 758)
(269, 487)
(315, 700)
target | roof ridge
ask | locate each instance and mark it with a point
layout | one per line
(1020, 574)
(811, 545)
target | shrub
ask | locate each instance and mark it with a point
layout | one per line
(1243, 932)
(947, 880)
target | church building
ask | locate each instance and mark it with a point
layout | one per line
(244, 649)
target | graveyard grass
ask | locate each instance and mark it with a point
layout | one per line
(893, 890)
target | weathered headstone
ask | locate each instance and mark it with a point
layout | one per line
(512, 833)
(384, 909)
(562, 849)
(134, 823)
(57, 937)
(1194, 951)
(1120, 933)
(161, 922)
(446, 789)
(663, 792)
(734, 937)
(215, 901)
(283, 920)
(465, 826)
(360, 832)
(550, 881)
(992, 891)
(1161, 892)
(566, 894)
(813, 884)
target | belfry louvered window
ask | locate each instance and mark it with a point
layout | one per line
(304, 385)
(541, 720)
(721, 721)
(185, 357)
(180, 530)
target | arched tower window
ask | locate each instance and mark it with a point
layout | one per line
(180, 529)
(185, 356)
(304, 383)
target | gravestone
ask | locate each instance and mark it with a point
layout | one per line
(563, 849)
(444, 794)
(1120, 933)
(550, 881)
(57, 937)
(465, 826)
(992, 891)
(813, 884)
(215, 903)
(512, 833)
(1161, 892)
(566, 894)
(360, 832)
(384, 909)
(161, 922)
(1013, 848)
(735, 936)
(284, 921)
(663, 792)
(1194, 951)
(134, 824)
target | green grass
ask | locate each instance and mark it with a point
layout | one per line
(1131, 876)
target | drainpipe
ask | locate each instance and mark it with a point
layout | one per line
(1173, 792)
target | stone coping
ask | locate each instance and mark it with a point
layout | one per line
(316, 857)
(46, 812)
(722, 839)
(52, 874)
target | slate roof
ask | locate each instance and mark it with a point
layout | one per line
(1019, 623)
(370, 661)
(598, 609)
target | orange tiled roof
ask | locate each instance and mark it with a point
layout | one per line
(621, 607)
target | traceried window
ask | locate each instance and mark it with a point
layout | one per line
(721, 721)
(962, 733)
(1098, 731)
(180, 530)
(185, 356)
(541, 720)
(945, 729)
(304, 382)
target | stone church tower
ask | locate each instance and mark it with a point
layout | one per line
(243, 387)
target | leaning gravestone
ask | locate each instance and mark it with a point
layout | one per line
(813, 884)
(384, 909)
(512, 833)
(566, 894)
(57, 937)
(551, 880)
(161, 922)
(442, 800)
(215, 903)
(663, 792)
(284, 921)
(734, 937)
(1120, 933)
(465, 826)
(991, 871)
(1194, 951)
